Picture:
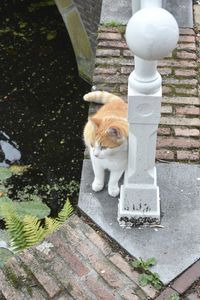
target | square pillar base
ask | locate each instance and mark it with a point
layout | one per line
(139, 204)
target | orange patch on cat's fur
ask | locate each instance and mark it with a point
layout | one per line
(109, 126)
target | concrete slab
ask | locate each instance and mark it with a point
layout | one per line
(177, 245)
(120, 11)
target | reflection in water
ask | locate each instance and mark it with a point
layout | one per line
(9, 151)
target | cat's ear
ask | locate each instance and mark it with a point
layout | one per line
(95, 121)
(114, 132)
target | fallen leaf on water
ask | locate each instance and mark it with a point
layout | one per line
(18, 170)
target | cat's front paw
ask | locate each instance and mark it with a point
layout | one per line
(113, 191)
(97, 185)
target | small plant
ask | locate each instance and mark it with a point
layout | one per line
(147, 276)
(174, 297)
(144, 265)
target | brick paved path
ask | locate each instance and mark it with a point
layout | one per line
(76, 264)
(178, 134)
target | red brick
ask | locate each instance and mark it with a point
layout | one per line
(164, 131)
(184, 110)
(187, 91)
(187, 155)
(184, 281)
(187, 38)
(163, 142)
(164, 154)
(166, 294)
(180, 121)
(107, 52)
(98, 71)
(185, 73)
(110, 79)
(186, 55)
(102, 266)
(113, 44)
(186, 132)
(122, 265)
(72, 260)
(49, 283)
(177, 63)
(109, 36)
(114, 61)
(98, 289)
(99, 242)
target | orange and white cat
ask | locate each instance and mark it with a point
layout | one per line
(106, 136)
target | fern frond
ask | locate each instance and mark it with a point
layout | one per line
(65, 213)
(15, 227)
(50, 225)
(34, 232)
(27, 231)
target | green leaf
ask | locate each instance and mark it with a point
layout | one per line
(143, 279)
(5, 173)
(33, 208)
(151, 261)
(51, 35)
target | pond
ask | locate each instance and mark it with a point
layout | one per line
(41, 106)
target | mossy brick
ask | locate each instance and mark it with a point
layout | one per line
(185, 73)
(186, 91)
(180, 121)
(49, 283)
(7, 289)
(181, 100)
(188, 155)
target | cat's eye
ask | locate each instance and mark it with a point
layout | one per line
(103, 148)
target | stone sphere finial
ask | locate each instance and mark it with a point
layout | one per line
(152, 33)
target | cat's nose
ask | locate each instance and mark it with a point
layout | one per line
(96, 153)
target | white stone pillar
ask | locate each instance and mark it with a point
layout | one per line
(151, 34)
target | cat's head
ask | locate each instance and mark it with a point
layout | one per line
(109, 136)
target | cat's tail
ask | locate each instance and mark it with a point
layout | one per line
(101, 97)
